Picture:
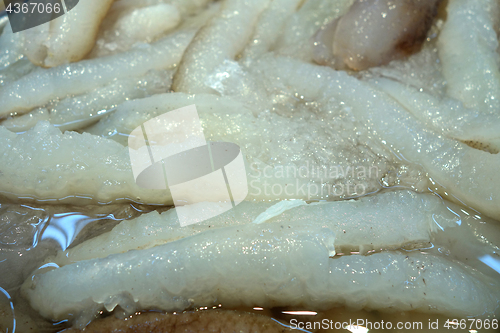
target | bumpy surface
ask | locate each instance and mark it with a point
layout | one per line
(383, 136)
(64, 166)
(274, 264)
(388, 221)
(43, 85)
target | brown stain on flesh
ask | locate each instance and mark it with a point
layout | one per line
(412, 41)
(482, 146)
